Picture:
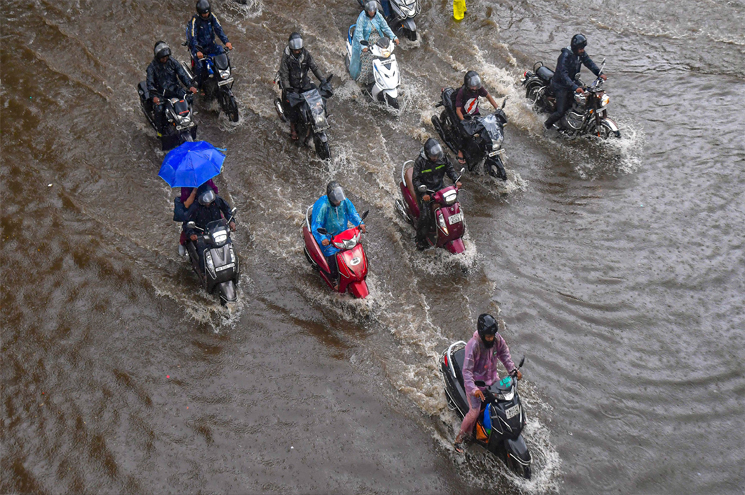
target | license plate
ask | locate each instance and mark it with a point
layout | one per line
(458, 217)
(226, 81)
(495, 153)
(224, 267)
(512, 411)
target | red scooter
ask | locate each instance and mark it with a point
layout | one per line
(449, 228)
(351, 259)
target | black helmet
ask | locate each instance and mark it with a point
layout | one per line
(578, 41)
(335, 193)
(433, 150)
(371, 7)
(487, 325)
(161, 50)
(207, 197)
(472, 81)
(295, 42)
(203, 7)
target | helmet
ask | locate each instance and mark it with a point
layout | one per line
(161, 50)
(295, 42)
(433, 150)
(207, 197)
(578, 41)
(487, 325)
(472, 81)
(371, 7)
(203, 7)
(335, 193)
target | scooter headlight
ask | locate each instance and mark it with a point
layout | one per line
(604, 100)
(224, 74)
(441, 223)
(208, 261)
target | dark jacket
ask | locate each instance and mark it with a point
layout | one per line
(432, 174)
(293, 72)
(568, 66)
(166, 77)
(202, 33)
(202, 215)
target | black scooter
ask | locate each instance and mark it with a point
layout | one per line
(482, 137)
(218, 257)
(500, 425)
(179, 126)
(313, 114)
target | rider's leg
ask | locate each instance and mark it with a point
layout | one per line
(469, 420)
(562, 103)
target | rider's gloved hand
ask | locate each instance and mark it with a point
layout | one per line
(425, 197)
(580, 90)
(603, 77)
(363, 228)
(156, 100)
(232, 226)
(458, 185)
(200, 55)
(229, 45)
(193, 90)
(193, 237)
(325, 242)
(396, 41)
(478, 393)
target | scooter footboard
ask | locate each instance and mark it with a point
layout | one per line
(518, 450)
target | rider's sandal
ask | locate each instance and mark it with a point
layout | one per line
(461, 160)
(458, 447)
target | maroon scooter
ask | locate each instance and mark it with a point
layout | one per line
(449, 228)
(351, 259)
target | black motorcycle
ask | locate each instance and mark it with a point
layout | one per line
(502, 419)
(401, 20)
(217, 82)
(310, 105)
(480, 137)
(178, 125)
(217, 264)
(588, 115)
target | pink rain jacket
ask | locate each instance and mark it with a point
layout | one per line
(481, 363)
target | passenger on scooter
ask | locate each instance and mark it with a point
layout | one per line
(467, 103)
(200, 35)
(368, 20)
(333, 212)
(293, 72)
(208, 208)
(430, 168)
(563, 84)
(163, 76)
(180, 207)
(485, 348)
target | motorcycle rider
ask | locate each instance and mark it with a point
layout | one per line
(333, 212)
(208, 208)
(567, 68)
(467, 103)
(200, 34)
(485, 348)
(163, 76)
(368, 20)
(293, 72)
(430, 168)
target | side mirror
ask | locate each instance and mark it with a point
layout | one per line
(364, 215)
(364, 43)
(191, 225)
(522, 361)
(462, 171)
(480, 383)
(328, 79)
(322, 231)
(232, 212)
(422, 188)
(504, 102)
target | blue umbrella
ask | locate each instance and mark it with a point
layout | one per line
(191, 164)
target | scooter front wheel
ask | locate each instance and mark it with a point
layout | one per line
(391, 101)
(322, 148)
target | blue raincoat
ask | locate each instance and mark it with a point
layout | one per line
(334, 219)
(365, 25)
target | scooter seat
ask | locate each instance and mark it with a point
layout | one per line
(545, 73)
(409, 176)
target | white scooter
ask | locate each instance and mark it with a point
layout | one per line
(385, 69)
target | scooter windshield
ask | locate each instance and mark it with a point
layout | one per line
(221, 61)
(317, 110)
(493, 128)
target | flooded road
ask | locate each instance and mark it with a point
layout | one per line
(616, 268)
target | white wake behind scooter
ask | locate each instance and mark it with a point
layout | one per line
(385, 69)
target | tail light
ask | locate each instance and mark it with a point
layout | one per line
(525, 74)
